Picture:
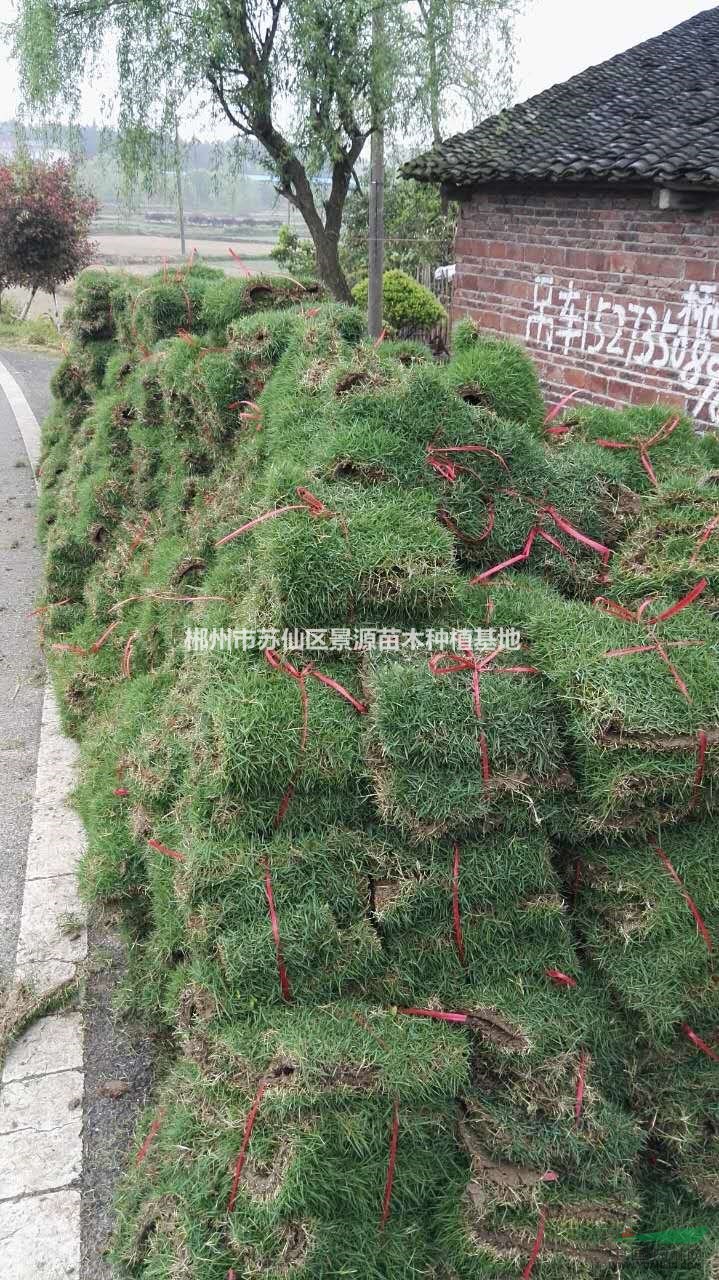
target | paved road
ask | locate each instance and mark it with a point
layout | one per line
(22, 670)
(115, 1052)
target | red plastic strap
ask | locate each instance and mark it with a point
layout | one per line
(169, 853)
(581, 1079)
(643, 446)
(686, 600)
(387, 1200)
(237, 258)
(308, 502)
(458, 938)
(554, 412)
(249, 1125)
(101, 639)
(447, 664)
(700, 1044)
(572, 532)
(638, 615)
(704, 536)
(701, 765)
(151, 1135)
(472, 540)
(436, 1013)
(701, 926)
(662, 653)
(301, 676)
(44, 608)
(507, 564)
(536, 1247)
(284, 980)
(538, 532)
(435, 454)
(560, 979)
(127, 655)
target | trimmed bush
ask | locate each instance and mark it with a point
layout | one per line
(406, 304)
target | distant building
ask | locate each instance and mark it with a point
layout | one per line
(589, 223)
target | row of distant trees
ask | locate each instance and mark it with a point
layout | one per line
(45, 216)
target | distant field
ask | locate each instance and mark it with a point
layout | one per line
(150, 250)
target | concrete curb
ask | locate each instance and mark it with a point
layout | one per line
(42, 1089)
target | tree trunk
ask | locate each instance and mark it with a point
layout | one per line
(328, 265)
(28, 305)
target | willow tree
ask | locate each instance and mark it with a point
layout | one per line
(295, 78)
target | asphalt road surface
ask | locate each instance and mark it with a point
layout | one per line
(22, 669)
(118, 1055)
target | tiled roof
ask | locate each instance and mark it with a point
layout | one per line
(649, 114)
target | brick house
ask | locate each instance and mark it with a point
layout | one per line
(589, 224)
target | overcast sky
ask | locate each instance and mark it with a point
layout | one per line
(557, 39)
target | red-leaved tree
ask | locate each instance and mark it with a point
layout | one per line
(45, 216)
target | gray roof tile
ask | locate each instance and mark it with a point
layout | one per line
(650, 113)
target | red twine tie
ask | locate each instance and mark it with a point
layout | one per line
(700, 1044)
(239, 1163)
(447, 664)
(458, 938)
(581, 1079)
(44, 608)
(686, 896)
(252, 414)
(617, 610)
(387, 1201)
(308, 502)
(555, 412)
(436, 1013)
(643, 446)
(274, 922)
(151, 1135)
(536, 1247)
(560, 979)
(94, 647)
(440, 461)
(302, 676)
(565, 526)
(127, 655)
(704, 537)
(169, 853)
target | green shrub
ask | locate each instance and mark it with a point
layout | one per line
(405, 303)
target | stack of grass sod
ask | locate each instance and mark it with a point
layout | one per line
(312, 1126)
(675, 543)
(639, 692)
(648, 917)
(329, 1077)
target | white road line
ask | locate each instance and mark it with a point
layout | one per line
(27, 423)
(41, 1093)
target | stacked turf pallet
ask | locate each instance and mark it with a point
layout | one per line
(432, 931)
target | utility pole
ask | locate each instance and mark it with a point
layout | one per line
(376, 186)
(178, 181)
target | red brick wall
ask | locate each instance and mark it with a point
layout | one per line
(612, 297)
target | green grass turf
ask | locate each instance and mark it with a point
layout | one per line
(401, 877)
